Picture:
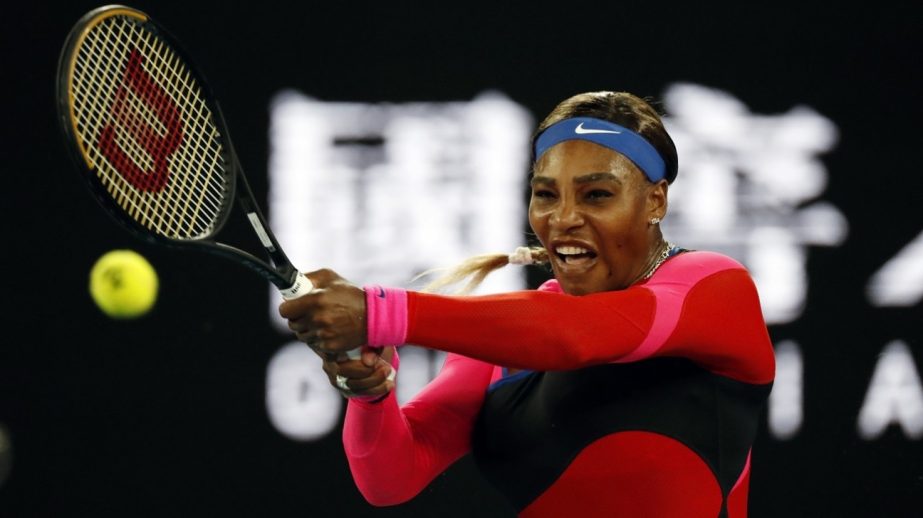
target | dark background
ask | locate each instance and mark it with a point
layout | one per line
(165, 416)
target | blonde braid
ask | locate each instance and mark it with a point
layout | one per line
(477, 268)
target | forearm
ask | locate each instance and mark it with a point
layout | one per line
(531, 329)
(720, 327)
(388, 466)
(394, 452)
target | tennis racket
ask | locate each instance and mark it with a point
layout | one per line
(152, 144)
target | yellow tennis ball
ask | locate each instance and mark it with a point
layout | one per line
(123, 284)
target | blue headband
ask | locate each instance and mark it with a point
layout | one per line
(617, 138)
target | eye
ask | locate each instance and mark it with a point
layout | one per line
(598, 194)
(542, 193)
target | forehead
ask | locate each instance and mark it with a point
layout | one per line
(578, 157)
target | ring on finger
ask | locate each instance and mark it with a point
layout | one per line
(341, 383)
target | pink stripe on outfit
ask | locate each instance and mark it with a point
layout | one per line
(670, 287)
(743, 473)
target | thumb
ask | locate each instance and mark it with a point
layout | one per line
(370, 356)
(322, 278)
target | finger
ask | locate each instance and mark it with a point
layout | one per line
(363, 380)
(328, 360)
(316, 344)
(370, 355)
(296, 326)
(329, 343)
(296, 309)
(310, 338)
(331, 369)
(378, 390)
(352, 354)
(322, 278)
(389, 385)
(300, 325)
(353, 369)
(379, 377)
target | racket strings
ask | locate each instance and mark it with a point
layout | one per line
(146, 128)
(104, 47)
(179, 89)
(178, 85)
(172, 73)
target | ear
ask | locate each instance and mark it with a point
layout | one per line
(657, 200)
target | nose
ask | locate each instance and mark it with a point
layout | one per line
(566, 215)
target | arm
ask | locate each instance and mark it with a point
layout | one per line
(699, 305)
(394, 452)
(718, 324)
(537, 330)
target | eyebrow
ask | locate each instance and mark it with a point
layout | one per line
(597, 177)
(586, 178)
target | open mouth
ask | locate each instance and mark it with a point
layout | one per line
(574, 255)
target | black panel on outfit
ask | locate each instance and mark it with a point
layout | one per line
(533, 424)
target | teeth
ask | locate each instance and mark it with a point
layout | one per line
(571, 250)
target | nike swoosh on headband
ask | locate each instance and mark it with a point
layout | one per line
(607, 134)
(580, 130)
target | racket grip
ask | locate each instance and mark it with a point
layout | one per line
(303, 286)
(352, 354)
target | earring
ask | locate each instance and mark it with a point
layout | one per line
(654, 221)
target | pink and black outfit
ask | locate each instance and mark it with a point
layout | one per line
(638, 402)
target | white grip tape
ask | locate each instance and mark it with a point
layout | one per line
(352, 354)
(302, 286)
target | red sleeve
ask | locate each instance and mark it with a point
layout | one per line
(394, 452)
(531, 329)
(721, 327)
(698, 305)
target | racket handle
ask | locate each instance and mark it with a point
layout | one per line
(352, 354)
(303, 286)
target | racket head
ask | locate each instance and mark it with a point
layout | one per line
(144, 128)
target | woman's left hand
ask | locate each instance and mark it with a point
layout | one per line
(332, 317)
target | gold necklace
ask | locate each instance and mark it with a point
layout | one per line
(668, 246)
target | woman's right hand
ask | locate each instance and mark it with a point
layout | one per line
(367, 377)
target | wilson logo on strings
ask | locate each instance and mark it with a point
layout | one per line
(128, 117)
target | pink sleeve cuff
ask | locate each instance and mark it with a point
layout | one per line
(387, 315)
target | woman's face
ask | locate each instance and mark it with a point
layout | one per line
(591, 208)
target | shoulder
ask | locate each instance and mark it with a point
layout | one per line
(707, 259)
(687, 269)
(695, 265)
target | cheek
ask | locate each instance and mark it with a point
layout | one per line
(619, 235)
(628, 226)
(537, 223)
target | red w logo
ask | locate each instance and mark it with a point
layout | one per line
(159, 147)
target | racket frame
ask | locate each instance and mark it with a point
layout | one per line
(278, 269)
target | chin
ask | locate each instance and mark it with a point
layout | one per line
(596, 278)
(587, 286)
(578, 288)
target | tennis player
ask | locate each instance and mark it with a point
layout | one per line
(631, 384)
